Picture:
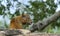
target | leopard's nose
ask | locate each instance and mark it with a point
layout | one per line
(30, 23)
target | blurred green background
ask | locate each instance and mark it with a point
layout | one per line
(37, 9)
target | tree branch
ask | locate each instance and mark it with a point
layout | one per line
(40, 25)
(30, 34)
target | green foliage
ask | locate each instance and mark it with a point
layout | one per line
(6, 26)
(1, 8)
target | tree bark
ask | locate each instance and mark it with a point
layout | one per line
(30, 34)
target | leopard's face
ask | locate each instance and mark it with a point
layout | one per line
(26, 19)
